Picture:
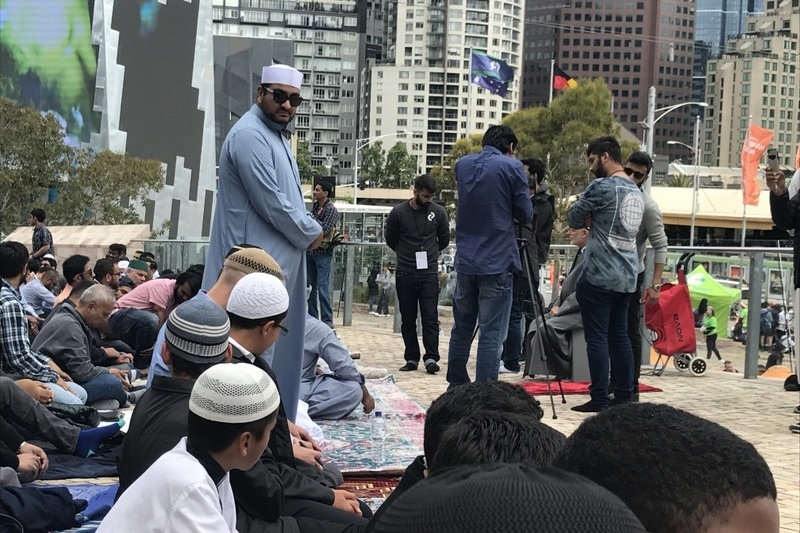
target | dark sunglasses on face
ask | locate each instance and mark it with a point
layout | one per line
(635, 173)
(280, 97)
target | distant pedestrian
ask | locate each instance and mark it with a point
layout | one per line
(42, 241)
(319, 260)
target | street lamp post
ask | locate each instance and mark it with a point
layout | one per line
(650, 121)
(363, 143)
(697, 152)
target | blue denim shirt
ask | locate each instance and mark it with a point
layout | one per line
(616, 207)
(492, 192)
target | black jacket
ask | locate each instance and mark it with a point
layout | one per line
(538, 232)
(10, 441)
(786, 215)
(409, 231)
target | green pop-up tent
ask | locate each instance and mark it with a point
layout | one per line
(702, 285)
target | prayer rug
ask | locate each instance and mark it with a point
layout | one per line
(370, 487)
(348, 444)
(539, 388)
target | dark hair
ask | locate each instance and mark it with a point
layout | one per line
(73, 266)
(702, 306)
(500, 137)
(182, 367)
(79, 288)
(118, 248)
(153, 265)
(38, 214)
(166, 272)
(535, 168)
(103, 268)
(50, 261)
(464, 400)
(325, 186)
(147, 256)
(605, 145)
(13, 258)
(193, 276)
(489, 437)
(426, 182)
(651, 456)
(34, 265)
(215, 437)
(642, 159)
(45, 267)
(238, 322)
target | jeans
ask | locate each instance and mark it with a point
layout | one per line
(319, 277)
(485, 300)
(373, 300)
(419, 289)
(383, 303)
(634, 334)
(605, 328)
(105, 387)
(78, 395)
(512, 347)
(138, 329)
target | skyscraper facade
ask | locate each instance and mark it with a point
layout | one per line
(632, 45)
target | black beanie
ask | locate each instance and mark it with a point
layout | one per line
(508, 498)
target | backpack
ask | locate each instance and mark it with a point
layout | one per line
(766, 320)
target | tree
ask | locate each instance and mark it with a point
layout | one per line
(680, 180)
(400, 168)
(304, 162)
(373, 164)
(445, 174)
(92, 192)
(33, 157)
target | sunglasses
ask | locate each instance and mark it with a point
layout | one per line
(280, 97)
(635, 173)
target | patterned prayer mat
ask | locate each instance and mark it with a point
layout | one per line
(370, 487)
(348, 444)
(539, 388)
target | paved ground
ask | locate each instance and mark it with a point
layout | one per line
(758, 410)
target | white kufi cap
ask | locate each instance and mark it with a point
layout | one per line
(234, 394)
(282, 74)
(258, 295)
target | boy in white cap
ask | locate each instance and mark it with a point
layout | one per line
(259, 201)
(232, 410)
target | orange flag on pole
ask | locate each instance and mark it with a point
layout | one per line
(797, 158)
(755, 144)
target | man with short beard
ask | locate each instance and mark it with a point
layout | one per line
(614, 207)
(107, 272)
(260, 202)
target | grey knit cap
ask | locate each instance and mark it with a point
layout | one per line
(508, 498)
(198, 331)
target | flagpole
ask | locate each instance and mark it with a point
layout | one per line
(552, 76)
(469, 96)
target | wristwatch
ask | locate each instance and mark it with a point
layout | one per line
(655, 287)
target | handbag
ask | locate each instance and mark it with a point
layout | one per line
(332, 239)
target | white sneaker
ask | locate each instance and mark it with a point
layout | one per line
(504, 370)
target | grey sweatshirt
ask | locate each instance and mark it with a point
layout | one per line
(66, 339)
(652, 229)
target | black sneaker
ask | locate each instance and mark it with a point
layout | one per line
(590, 407)
(432, 368)
(408, 367)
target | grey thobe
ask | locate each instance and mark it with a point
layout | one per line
(335, 395)
(259, 202)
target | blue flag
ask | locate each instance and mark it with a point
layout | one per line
(490, 73)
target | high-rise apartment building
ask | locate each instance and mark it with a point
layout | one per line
(717, 21)
(757, 78)
(423, 87)
(632, 45)
(332, 41)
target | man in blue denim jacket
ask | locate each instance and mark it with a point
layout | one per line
(492, 192)
(614, 207)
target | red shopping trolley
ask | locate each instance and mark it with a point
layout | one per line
(671, 325)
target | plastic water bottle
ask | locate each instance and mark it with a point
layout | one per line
(378, 436)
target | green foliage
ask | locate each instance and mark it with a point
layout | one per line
(91, 186)
(33, 157)
(304, 162)
(400, 168)
(680, 180)
(91, 193)
(373, 163)
(445, 175)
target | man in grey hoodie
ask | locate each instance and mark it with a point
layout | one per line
(614, 207)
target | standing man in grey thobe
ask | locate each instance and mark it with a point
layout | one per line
(259, 202)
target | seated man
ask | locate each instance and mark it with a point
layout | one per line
(38, 292)
(490, 437)
(135, 274)
(232, 410)
(76, 268)
(510, 498)
(455, 405)
(336, 394)
(67, 339)
(16, 356)
(676, 471)
(140, 313)
(564, 316)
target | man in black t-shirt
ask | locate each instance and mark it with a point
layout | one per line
(417, 230)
